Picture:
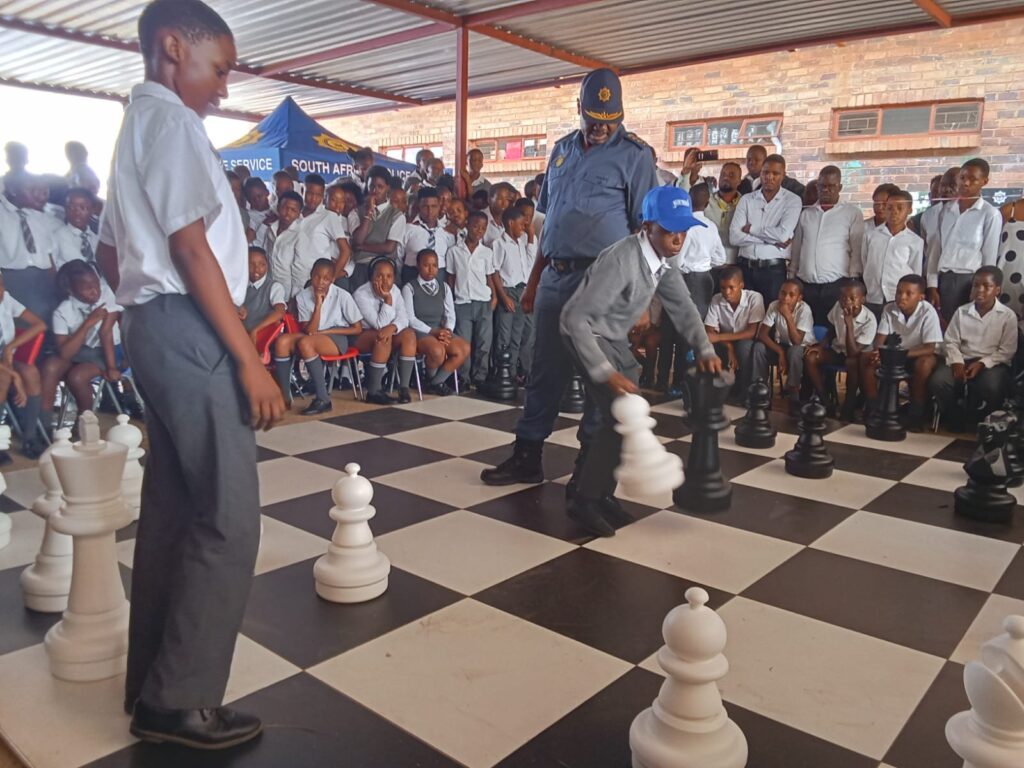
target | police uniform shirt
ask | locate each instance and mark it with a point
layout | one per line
(966, 241)
(495, 230)
(827, 244)
(802, 318)
(377, 313)
(864, 328)
(72, 313)
(921, 327)
(991, 338)
(725, 318)
(770, 222)
(887, 258)
(410, 306)
(73, 243)
(339, 309)
(10, 308)
(34, 247)
(702, 248)
(276, 290)
(168, 176)
(419, 236)
(513, 259)
(471, 270)
(593, 197)
(318, 239)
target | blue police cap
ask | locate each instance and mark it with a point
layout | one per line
(671, 209)
(601, 96)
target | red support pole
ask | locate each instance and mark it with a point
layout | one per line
(461, 107)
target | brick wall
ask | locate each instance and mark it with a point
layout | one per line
(981, 61)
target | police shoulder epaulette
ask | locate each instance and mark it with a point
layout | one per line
(636, 139)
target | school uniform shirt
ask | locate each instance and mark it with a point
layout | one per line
(276, 290)
(864, 328)
(827, 244)
(471, 270)
(9, 229)
(410, 307)
(921, 327)
(352, 219)
(770, 222)
(930, 220)
(32, 244)
(10, 308)
(702, 248)
(725, 318)
(495, 229)
(419, 236)
(73, 244)
(377, 313)
(802, 317)
(887, 258)
(282, 252)
(965, 241)
(55, 216)
(513, 259)
(153, 194)
(720, 212)
(256, 218)
(72, 313)
(339, 309)
(992, 339)
(318, 239)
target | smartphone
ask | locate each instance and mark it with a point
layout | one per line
(707, 155)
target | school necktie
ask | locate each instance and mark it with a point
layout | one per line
(430, 287)
(431, 237)
(26, 232)
(87, 252)
(660, 271)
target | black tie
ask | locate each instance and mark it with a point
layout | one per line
(87, 253)
(26, 232)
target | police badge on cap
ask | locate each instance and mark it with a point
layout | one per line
(601, 96)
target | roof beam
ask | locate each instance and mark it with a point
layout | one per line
(542, 48)
(936, 11)
(423, 11)
(529, 8)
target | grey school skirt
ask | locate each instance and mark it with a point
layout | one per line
(341, 342)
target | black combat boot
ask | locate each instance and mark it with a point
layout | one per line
(524, 466)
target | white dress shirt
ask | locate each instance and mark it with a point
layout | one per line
(827, 244)
(72, 313)
(471, 270)
(725, 318)
(410, 306)
(339, 309)
(513, 259)
(921, 327)
(864, 328)
(992, 339)
(166, 175)
(377, 313)
(966, 241)
(803, 318)
(702, 248)
(256, 218)
(318, 239)
(770, 222)
(887, 258)
(282, 252)
(10, 231)
(277, 295)
(68, 241)
(495, 229)
(39, 252)
(10, 308)
(418, 236)
(930, 221)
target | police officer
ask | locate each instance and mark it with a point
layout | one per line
(592, 196)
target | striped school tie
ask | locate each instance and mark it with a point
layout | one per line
(431, 236)
(26, 232)
(87, 252)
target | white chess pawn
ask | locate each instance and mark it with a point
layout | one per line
(130, 437)
(991, 734)
(5, 520)
(91, 640)
(688, 727)
(353, 570)
(646, 468)
(47, 582)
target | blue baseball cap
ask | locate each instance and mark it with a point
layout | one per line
(671, 209)
(601, 96)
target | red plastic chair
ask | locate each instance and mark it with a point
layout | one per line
(333, 362)
(28, 353)
(265, 340)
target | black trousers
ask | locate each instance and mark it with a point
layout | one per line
(702, 287)
(954, 292)
(821, 297)
(765, 280)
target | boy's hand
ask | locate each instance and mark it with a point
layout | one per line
(711, 364)
(20, 398)
(786, 310)
(318, 298)
(9, 356)
(510, 306)
(526, 300)
(874, 357)
(783, 365)
(746, 228)
(620, 385)
(933, 297)
(385, 333)
(959, 371)
(266, 404)
(98, 315)
(494, 303)
(113, 374)
(972, 370)
(734, 362)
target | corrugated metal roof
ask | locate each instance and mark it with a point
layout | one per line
(628, 34)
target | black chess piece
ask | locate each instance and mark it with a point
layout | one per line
(755, 430)
(705, 489)
(501, 384)
(884, 421)
(985, 496)
(809, 457)
(573, 397)
(1014, 457)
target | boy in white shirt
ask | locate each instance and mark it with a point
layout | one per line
(981, 341)
(500, 198)
(28, 270)
(514, 254)
(280, 239)
(257, 196)
(785, 334)
(313, 194)
(425, 232)
(20, 380)
(890, 252)
(323, 235)
(471, 275)
(173, 247)
(74, 240)
(851, 332)
(731, 323)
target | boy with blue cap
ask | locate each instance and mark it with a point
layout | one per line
(595, 326)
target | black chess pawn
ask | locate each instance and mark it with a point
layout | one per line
(704, 489)
(884, 421)
(573, 397)
(755, 430)
(985, 496)
(1014, 458)
(501, 384)
(809, 457)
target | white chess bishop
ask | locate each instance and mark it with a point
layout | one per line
(130, 436)
(353, 570)
(5, 520)
(687, 726)
(991, 734)
(646, 468)
(91, 641)
(47, 582)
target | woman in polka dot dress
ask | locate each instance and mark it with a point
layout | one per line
(1011, 256)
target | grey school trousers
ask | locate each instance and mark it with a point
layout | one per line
(474, 322)
(954, 292)
(763, 357)
(514, 330)
(199, 528)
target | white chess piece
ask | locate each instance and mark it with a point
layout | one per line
(5, 520)
(353, 570)
(130, 436)
(47, 582)
(91, 640)
(687, 727)
(646, 468)
(991, 734)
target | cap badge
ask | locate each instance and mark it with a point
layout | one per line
(604, 94)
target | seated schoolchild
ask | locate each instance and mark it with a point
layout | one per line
(731, 324)
(782, 339)
(265, 302)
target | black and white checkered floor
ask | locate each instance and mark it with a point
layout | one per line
(509, 638)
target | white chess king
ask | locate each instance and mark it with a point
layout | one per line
(991, 734)
(353, 570)
(687, 726)
(646, 468)
(5, 521)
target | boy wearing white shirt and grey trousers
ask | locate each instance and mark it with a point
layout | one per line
(172, 244)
